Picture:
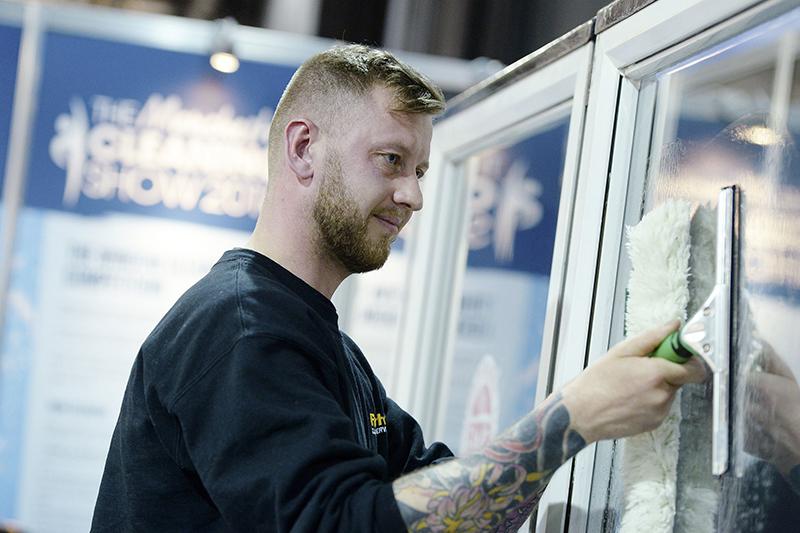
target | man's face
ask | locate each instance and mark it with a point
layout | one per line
(343, 228)
(370, 183)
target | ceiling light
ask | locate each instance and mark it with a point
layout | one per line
(760, 135)
(223, 58)
(224, 61)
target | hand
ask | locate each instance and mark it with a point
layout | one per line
(772, 412)
(627, 392)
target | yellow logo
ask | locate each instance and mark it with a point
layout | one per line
(378, 423)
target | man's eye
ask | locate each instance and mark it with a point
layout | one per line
(420, 173)
(392, 159)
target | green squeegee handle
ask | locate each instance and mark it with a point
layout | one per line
(671, 349)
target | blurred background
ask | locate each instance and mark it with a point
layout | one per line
(133, 153)
(504, 30)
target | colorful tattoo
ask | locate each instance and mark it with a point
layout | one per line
(496, 489)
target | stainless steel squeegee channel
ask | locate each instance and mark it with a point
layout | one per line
(708, 332)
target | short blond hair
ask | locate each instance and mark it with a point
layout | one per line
(351, 70)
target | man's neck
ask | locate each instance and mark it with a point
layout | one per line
(302, 259)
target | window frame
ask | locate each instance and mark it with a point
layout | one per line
(637, 47)
(437, 260)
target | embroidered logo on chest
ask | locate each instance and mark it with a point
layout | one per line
(378, 423)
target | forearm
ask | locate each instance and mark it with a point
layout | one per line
(497, 488)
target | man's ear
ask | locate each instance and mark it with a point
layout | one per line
(299, 136)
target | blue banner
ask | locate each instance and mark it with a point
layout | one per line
(515, 203)
(9, 44)
(145, 165)
(125, 128)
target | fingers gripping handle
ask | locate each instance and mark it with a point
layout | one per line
(673, 350)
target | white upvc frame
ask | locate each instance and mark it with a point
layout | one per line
(437, 261)
(510, 134)
(643, 44)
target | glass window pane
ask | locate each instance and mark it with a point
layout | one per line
(731, 116)
(491, 380)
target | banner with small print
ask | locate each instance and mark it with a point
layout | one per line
(492, 377)
(374, 312)
(146, 165)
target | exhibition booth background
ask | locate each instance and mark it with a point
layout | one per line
(130, 166)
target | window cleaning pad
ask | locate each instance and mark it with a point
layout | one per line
(658, 291)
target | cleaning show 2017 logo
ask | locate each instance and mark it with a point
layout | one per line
(162, 153)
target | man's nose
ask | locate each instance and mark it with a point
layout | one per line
(408, 192)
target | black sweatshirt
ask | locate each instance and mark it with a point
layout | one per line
(248, 410)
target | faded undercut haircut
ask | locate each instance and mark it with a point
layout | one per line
(351, 70)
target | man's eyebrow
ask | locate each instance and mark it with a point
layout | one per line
(394, 145)
(402, 147)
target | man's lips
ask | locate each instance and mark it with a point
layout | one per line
(392, 222)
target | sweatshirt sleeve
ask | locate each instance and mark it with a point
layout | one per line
(274, 449)
(407, 445)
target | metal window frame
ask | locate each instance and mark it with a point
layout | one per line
(658, 35)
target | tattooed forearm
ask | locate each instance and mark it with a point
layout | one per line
(496, 489)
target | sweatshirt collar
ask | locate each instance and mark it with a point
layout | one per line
(319, 302)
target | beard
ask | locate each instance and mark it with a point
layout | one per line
(344, 231)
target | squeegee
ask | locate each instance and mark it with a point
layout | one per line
(707, 334)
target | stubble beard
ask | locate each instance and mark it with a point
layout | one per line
(344, 231)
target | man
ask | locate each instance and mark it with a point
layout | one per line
(248, 410)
